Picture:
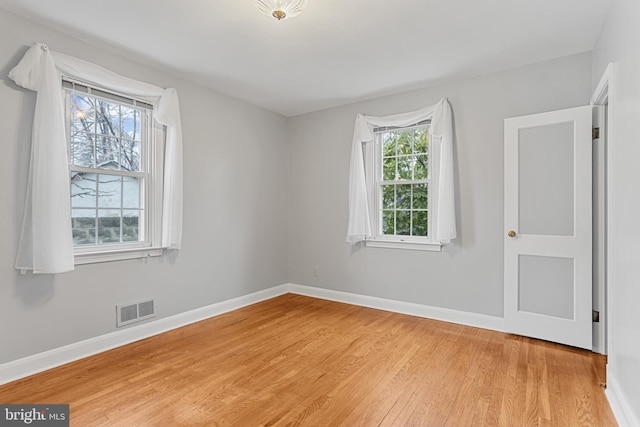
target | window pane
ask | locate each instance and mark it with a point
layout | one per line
(403, 223)
(420, 167)
(388, 220)
(389, 169)
(130, 226)
(403, 196)
(405, 167)
(131, 192)
(82, 114)
(130, 123)
(109, 226)
(420, 222)
(109, 191)
(83, 226)
(82, 150)
(389, 144)
(405, 139)
(107, 118)
(421, 141)
(107, 152)
(420, 196)
(83, 190)
(388, 196)
(130, 156)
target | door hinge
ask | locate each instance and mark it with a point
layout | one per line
(595, 316)
(595, 133)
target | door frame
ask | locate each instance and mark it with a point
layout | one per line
(603, 96)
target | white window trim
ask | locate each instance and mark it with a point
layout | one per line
(414, 246)
(373, 165)
(153, 193)
(116, 255)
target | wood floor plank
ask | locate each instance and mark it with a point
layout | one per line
(299, 361)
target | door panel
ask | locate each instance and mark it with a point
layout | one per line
(545, 285)
(546, 179)
(548, 226)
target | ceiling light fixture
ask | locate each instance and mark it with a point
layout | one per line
(281, 9)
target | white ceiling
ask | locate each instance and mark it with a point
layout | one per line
(337, 51)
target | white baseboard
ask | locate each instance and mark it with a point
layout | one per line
(30, 365)
(436, 313)
(622, 409)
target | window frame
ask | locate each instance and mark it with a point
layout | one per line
(375, 182)
(152, 160)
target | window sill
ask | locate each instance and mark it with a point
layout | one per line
(414, 246)
(116, 255)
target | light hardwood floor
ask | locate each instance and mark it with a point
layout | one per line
(295, 360)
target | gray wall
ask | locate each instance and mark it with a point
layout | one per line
(468, 274)
(619, 43)
(235, 210)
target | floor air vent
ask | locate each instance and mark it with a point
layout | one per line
(134, 312)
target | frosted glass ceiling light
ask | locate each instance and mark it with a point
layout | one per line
(281, 9)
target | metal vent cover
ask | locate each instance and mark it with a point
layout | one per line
(133, 312)
(145, 308)
(128, 313)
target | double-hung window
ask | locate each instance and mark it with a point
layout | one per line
(399, 183)
(114, 174)
(401, 180)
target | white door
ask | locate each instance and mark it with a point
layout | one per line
(548, 210)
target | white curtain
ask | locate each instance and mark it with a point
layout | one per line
(441, 139)
(46, 244)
